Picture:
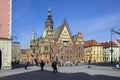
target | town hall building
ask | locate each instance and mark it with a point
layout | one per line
(56, 44)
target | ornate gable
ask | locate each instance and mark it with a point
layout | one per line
(64, 34)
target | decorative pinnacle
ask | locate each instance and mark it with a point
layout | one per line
(49, 9)
(49, 12)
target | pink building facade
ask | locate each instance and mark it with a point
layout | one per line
(5, 34)
(5, 18)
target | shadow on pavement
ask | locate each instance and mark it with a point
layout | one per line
(105, 64)
(48, 75)
(16, 66)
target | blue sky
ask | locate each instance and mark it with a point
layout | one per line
(94, 18)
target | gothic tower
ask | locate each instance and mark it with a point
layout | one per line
(49, 25)
(32, 41)
(33, 44)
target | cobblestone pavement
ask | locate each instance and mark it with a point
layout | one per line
(64, 73)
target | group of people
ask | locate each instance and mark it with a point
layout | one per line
(54, 66)
(42, 64)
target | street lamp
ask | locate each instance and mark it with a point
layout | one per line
(111, 45)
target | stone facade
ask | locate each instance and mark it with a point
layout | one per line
(24, 57)
(16, 51)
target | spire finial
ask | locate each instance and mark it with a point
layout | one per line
(49, 9)
(65, 21)
(49, 21)
(49, 12)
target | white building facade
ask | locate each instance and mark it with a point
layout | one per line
(111, 56)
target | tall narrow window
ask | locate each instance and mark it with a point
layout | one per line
(45, 47)
(33, 50)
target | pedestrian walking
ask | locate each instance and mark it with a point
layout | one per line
(42, 65)
(89, 62)
(70, 63)
(54, 66)
(25, 66)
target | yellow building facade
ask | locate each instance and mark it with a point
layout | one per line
(93, 51)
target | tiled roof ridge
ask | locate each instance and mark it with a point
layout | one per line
(91, 42)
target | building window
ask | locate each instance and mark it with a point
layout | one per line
(65, 31)
(45, 47)
(65, 43)
(67, 57)
(70, 51)
(58, 51)
(52, 58)
(33, 50)
(61, 57)
(51, 50)
(79, 48)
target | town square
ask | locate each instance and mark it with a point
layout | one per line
(59, 40)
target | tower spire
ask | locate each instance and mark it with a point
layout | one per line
(32, 41)
(49, 22)
(33, 35)
(49, 9)
(49, 25)
(49, 14)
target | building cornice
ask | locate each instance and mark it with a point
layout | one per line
(5, 38)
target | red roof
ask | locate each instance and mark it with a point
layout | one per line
(118, 40)
(91, 43)
(108, 44)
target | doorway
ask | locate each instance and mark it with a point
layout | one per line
(0, 59)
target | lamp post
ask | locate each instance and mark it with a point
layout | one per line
(111, 47)
(112, 30)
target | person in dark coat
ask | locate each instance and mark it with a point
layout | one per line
(54, 66)
(42, 65)
(25, 66)
(89, 62)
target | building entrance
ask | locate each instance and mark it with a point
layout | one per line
(0, 59)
